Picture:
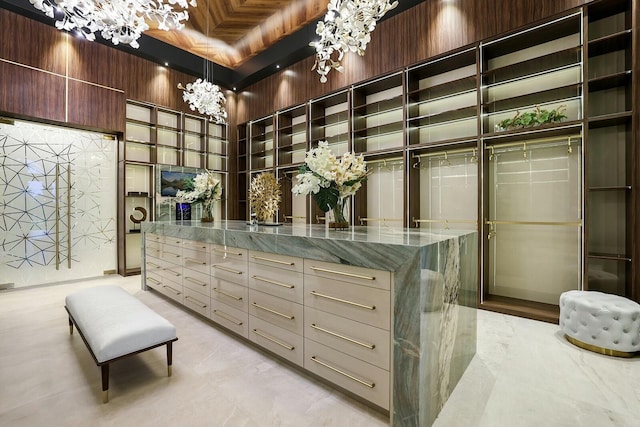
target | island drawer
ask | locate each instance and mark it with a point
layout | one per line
(197, 302)
(360, 303)
(229, 317)
(354, 375)
(165, 286)
(349, 273)
(275, 281)
(195, 245)
(283, 313)
(197, 281)
(196, 260)
(278, 340)
(283, 262)
(229, 293)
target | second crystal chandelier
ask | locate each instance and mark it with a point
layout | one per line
(346, 27)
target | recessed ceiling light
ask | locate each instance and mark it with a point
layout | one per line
(234, 88)
(277, 66)
(166, 64)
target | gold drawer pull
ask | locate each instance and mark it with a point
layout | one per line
(277, 261)
(195, 261)
(203, 305)
(221, 251)
(273, 311)
(368, 307)
(153, 265)
(194, 246)
(263, 335)
(172, 254)
(171, 289)
(273, 282)
(342, 273)
(227, 317)
(172, 272)
(230, 270)
(151, 279)
(192, 280)
(335, 334)
(326, 365)
(227, 294)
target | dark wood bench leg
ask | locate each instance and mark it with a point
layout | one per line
(70, 326)
(169, 361)
(105, 382)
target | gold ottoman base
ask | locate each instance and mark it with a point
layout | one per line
(600, 350)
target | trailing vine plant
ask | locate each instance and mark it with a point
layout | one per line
(539, 116)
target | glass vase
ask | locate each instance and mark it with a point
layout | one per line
(340, 215)
(207, 212)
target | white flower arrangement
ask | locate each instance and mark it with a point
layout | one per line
(346, 28)
(329, 179)
(207, 98)
(205, 188)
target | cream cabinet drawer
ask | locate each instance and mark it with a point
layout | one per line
(166, 287)
(354, 375)
(281, 283)
(284, 262)
(152, 244)
(280, 341)
(152, 264)
(349, 273)
(197, 302)
(277, 311)
(197, 281)
(196, 260)
(229, 317)
(173, 241)
(228, 253)
(167, 253)
(361, 341)
(171, 271)
(360, 303)
(151, 237)
(230, 293)
(195, 245)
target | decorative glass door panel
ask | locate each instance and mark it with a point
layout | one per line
(535, 218)
(58, 209)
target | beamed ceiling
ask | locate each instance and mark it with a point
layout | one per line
(244, 39)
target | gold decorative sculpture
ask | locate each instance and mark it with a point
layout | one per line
(264, 197)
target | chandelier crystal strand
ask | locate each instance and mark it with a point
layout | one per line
(121, 21)
(346, 27)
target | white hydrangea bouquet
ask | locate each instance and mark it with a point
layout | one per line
(206, 189)
(329, 179)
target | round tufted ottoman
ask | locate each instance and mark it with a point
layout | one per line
(604, 323)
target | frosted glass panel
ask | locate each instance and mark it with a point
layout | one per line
(167, 156)
(138, 152)
(138, 133)
(535, 197)
(168, 119)
(139, 112)
(168, 137)
(449, 191)
(385, 194)
(193, 159)
(58, 206)
(137, 179)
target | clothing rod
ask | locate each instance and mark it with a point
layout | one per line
(379, 220)
(553, 223)
(568, 138)
(442, 152)
(444, 221)
(395, 160)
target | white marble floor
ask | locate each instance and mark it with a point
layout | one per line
(524, 374)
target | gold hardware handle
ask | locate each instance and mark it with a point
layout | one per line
(174, 273)
(226, 316)
(195, 261)
(230, 270)
(175, 291)
(335, 334)
(277, 261)
(194, 246)
(342, 273)
(358, 380)
(263, 335)
(273, 282)
(192, 280)
(153, 265)
(273, 311)
(221, 251)
(227, 294)
(553, 223)
(171, 253)
(368, 307)
(196, 301)
(157, 282)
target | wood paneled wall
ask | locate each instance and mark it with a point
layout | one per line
(429, 29)
(49, 75)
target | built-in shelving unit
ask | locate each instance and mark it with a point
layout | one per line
(553, 202)
(609, 147)
(157, 138)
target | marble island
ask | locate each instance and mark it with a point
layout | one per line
(432, 296)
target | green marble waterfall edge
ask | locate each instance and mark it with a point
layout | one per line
(434, 301)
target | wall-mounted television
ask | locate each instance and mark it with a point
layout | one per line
(172, 181)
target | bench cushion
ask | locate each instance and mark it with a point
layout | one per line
(115, 323)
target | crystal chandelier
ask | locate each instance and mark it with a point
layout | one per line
(204, 96)
(121, 21)
(346, 27)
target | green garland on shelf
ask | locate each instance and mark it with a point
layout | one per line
(534, 118)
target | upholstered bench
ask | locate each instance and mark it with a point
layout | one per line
(604, 323)
(114, 324)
